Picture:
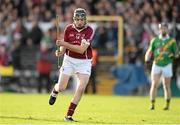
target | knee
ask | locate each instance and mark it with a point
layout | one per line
(154, 85)
(82, 88)
(166, 87)
(61, 88)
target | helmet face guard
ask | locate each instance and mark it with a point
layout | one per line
(83, 15)
(163, 27)
(79, 14)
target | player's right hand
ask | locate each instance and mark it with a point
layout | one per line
(58, 53)
(148, 65)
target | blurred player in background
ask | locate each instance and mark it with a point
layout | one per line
(162, 49)
(77, 51)
(92, 81)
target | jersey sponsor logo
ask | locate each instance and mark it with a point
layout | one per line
(80, 36)
(71, 35)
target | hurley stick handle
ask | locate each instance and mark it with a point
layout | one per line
(57, 37)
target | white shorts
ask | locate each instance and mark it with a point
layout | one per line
(73, 66)
(165, 71)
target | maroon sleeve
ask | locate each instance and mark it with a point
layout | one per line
(66, 34)
(90, 34)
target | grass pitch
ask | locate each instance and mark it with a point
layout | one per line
(93, 109)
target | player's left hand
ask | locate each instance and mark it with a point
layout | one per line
(177, 55)
(171, 56)
(148, 65)
(60, 42)
(174, 55)
(85, 42)
(58, 53)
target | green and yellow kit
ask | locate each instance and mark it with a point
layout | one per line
(163, 49)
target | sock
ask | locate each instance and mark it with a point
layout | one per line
(167, 102)
(54, 93)
(71, 109)
(153, 102)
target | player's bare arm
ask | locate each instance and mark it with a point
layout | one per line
(177, 53)
(148, 55)
(61, 51)
(174, 55)
(76, 48)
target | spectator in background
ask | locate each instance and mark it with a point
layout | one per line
(131, 52)
(19, 37)
(112, 36)
(15, 52)
(101, 38)
(44, 67)
(4, 37)
(5, 58)
(47, 39)
(35, 34)
(20, 33)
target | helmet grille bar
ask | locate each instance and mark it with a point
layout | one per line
(80, 13)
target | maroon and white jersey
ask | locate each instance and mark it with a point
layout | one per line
(74, 36)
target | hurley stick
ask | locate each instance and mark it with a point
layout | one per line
(57, 36)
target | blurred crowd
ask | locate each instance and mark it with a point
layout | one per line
(21, 26)
(140, 23)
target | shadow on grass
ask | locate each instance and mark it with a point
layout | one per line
(54, 121)
(29, 118)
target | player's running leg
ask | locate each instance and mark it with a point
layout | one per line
(167, 92)
(59, 87)
(155, 80)
(82, 83)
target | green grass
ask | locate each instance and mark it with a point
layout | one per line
(93, 109)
